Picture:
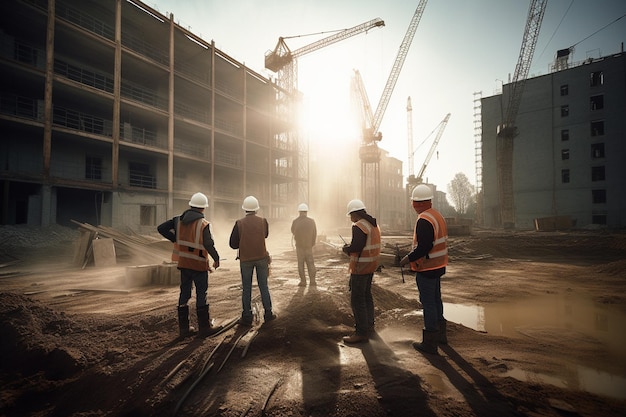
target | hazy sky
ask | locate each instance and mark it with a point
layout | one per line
(460, 47)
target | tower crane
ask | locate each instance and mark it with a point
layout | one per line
(369, 151)
(374, 134)
(418, 179)
(507, 130)
(409, 130)
(283, 60)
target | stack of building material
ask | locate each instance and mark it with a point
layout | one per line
(109, 242)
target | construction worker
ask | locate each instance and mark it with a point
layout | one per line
(428, 260)
(304, 232)
(248, 236)
(364, 251)
(193, 243)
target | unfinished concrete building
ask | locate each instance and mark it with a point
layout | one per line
(570, 149)
(113, 114)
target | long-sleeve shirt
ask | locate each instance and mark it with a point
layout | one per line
(425, 238)
(167, 229)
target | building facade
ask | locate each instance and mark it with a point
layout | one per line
(569, 155)
(113, 114)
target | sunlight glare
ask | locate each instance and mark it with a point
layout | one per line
(327, 115)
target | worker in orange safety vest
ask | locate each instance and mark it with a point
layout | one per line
(193, 243)
(364, 251)
(428, 259)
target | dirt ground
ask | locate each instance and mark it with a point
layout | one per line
(81, 342)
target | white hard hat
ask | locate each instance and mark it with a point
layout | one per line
(250, 203)
(303, 207)
(199, 200)
(355, 205)
(422, 193)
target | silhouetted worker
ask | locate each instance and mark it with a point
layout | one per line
(193, 243)
(428, 259)
(304, 232)
(364, 251)
(248, 236)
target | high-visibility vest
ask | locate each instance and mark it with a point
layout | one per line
(438, 256)
(366, 262)
(189, 247)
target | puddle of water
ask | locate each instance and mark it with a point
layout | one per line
(565, 312)
(580, 378)
(547, 316)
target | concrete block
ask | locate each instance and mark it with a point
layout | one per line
(140, 275)
(104, 252)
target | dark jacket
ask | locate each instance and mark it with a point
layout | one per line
(359, 238)
(304, 231)
(167, 229)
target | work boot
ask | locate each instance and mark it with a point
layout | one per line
(302, 283)
(443, 336)
(429, 342)
(205, 328)
(355, 338)
(184, 329)
(245, 321)
(269, 316)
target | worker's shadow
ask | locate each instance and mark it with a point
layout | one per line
(317, 348)
(478, 391)
(400, 390)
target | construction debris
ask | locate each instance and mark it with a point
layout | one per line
(139, 247)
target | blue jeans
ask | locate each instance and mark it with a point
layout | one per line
(362, 302)
(189, 277)
(262, 272)
(305, 255)
(430, 297)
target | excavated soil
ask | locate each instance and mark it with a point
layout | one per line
(82, 342)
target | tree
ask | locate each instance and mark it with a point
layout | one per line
(461, 192)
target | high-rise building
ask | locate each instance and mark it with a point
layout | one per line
(113, 114)
(569, 157)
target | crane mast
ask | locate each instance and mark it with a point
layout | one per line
(369, 153)
(507, 130)
(283, 61)
(409, 124)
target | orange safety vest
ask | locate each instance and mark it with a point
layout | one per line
(189, 248)
(367, 261)
(438, 255)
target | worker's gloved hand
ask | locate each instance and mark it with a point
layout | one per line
(404, 261)
(216, 264)
(345, 249)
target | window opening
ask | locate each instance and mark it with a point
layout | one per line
(597, 173)
(597, 102)
(598, 196)
(597, 150)
(596, 79)
(147, 215)
(93, 168)
(597, 128)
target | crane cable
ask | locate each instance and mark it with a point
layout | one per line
(602, 28)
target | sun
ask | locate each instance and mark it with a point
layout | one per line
(327, 115)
